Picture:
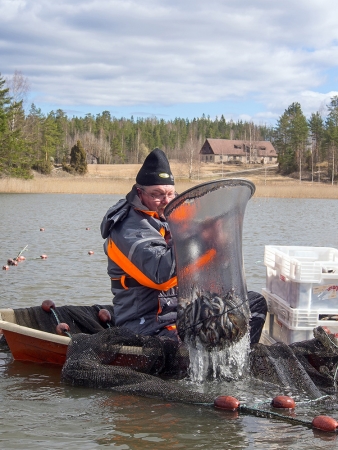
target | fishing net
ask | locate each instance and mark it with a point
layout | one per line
(308, 366)
(105, 360)
(80, 319)
(104, 356)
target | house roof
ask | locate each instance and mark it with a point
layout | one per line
(238, 147)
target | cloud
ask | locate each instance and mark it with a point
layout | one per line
(131, 54)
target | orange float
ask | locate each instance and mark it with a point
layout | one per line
(226, 402)
(283, 401)
(325, 423)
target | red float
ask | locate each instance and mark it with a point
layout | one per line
(283, 401)
(12, 262)
(87, 228)
(226, 402)
(5, 267)
(327, 330)
(20, 258)
(43, 256)
(62, 328)
(325, 423)
(90, 252)
(104, 315)
(42, 229)
(47, 305)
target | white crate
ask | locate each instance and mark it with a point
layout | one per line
(288, 325)
(305, 277)
(281, 333)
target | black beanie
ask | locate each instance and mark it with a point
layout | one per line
(155, 170)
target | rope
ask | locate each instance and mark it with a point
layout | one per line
(270, 415)
(58, 321)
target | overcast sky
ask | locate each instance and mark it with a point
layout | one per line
(245, 59)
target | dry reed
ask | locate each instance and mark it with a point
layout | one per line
(118, 186)
(118, 178)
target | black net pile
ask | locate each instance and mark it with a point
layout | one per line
(80, 319)
(309, 366)
(143, 369)
(101, 355)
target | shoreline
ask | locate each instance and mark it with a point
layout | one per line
(104, 186)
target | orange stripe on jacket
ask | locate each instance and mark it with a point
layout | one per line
(127, 266)
(200, 262)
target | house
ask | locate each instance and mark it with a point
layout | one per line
(226, 150)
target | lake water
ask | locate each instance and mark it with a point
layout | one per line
(38, 411)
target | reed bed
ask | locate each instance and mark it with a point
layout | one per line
(89, 185)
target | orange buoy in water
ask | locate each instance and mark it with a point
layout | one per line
(47, 305)
(62, 328)
(12, 262)
(90, 252)
(283, 401)
(43, 256)
(226, 402)
(5, 267)
(87, 228)
(20, 258)
(325, 423)
(104, 315)
(42, 229)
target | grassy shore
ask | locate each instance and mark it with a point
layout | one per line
(118, 178)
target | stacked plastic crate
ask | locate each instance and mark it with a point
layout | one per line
(301, 291)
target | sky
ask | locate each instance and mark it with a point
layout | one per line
(243, 59)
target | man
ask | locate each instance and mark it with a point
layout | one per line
(141, 261)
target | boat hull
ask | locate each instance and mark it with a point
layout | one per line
(28, 344)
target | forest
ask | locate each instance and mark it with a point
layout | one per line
(31, 140)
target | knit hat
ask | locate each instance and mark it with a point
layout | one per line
(155, 170)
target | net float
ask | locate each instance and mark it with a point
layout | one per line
(5, 267)
(42, 229)
(226, 402)
(283, 401)
(62, 328)
(20, 258)
(43, 256)
(87, 228)
(104, 315)
(12, 262)
(47, 305)
(327, 330)
(90, 252)
(325, 423)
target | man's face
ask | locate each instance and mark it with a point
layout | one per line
(156, 198)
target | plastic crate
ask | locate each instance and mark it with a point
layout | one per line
(288, 325)
(305, 277)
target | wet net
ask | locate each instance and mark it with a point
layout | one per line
(104, 356)
(80, 319)
(119, 360)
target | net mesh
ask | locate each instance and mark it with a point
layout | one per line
(90, 358)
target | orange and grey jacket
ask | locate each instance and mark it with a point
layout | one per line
(141, 265)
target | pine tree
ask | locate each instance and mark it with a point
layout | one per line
(15, 153)
(78, 160)
(291, 136)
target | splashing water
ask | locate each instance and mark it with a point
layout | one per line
(231, 363)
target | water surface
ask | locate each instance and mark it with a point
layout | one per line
(37, 411)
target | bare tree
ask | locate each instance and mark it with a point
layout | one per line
(18, 89)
